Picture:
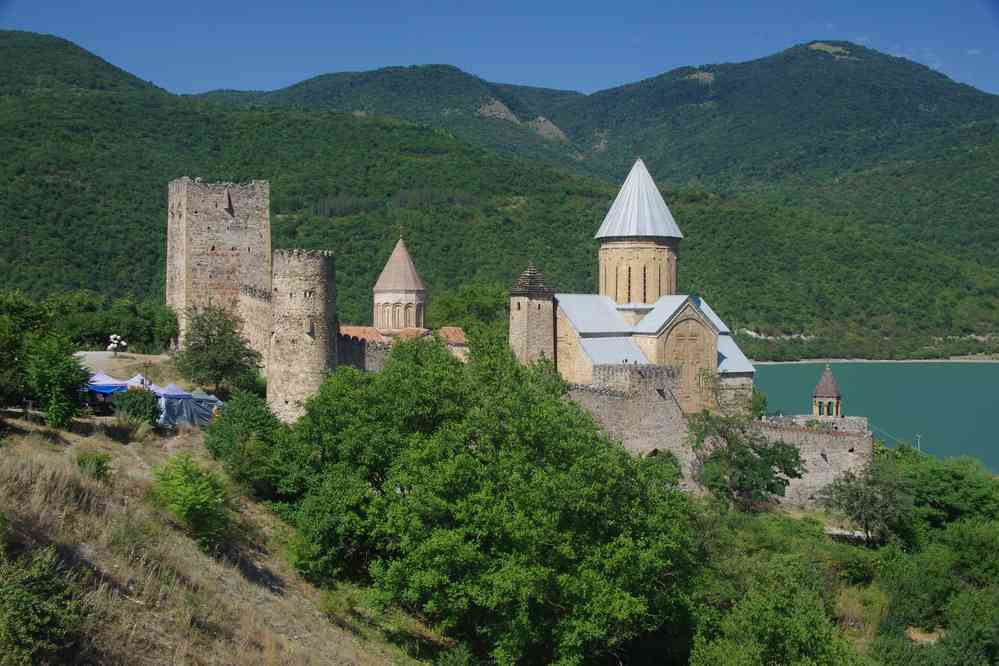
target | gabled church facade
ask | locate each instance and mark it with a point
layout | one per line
(637, 318)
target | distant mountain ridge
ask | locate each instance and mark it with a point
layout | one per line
(88, 150)
(808, 107)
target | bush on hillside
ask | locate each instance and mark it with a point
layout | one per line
(137, 406)
(243, 437)
(94, 464)
(196, 497)
(40, 612)
(54, 377)
(782, 620)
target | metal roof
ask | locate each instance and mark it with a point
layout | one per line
(664, 308)
(593, 314)
(619, 349)
(399, 273)
(730, 358)
(710, 314)
(639, 210)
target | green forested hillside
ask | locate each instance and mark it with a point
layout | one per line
(84, 189)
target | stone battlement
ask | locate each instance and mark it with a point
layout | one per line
(302, 253)
(630, 378)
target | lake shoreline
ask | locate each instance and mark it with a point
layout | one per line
(958, 359)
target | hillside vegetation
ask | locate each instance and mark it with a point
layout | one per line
(88, 159)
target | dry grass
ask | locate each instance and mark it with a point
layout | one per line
(153, 596)
(922, 636)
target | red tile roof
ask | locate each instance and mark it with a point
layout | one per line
(367, 333)
(452, 335)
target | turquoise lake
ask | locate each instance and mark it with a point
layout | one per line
(953, 406)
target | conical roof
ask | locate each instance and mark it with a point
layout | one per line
(639, 210)
(827, 386)
(530, 282)
(399, 273)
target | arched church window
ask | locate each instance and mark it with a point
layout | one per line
(822, 408)
(829, 409)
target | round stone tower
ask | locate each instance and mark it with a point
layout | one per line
(400, 296)
(827, 399)
(303, 331)
(639, 243)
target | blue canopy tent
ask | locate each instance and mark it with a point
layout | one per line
(105, 384)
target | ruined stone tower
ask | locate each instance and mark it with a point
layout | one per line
(218, 240)
(532, 317)
(639, 242)
(400, 296)
(303, 330)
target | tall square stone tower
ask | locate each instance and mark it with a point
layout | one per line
(218, 240)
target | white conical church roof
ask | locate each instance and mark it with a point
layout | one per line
(639, 210)
(399, 273)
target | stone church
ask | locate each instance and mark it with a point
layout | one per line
(637, 319)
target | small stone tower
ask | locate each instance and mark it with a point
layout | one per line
(218, 240)
(532, 317)
(304, 329)
(400, 296)
(827, 400)
(639, 242)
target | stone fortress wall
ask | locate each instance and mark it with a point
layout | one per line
(635, 405)
(304, 329)
(256, 310)
(362, 354)
(826, 451)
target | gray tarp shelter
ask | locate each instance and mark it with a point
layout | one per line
(178, 407)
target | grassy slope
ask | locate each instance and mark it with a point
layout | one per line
(88, 165)
(151, 596)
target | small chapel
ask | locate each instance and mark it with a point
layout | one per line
(637, 318)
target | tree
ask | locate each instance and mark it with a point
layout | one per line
(214, 351)
(759, 404)
(737, 463)
(12, 381)
(877, 499)
(782, 620)
(54, 376)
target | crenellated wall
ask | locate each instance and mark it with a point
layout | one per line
(362, 354)
(826, 453)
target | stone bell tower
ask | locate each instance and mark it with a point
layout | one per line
(532, 317)
(827, 399)
(400, 297)
(639, 243)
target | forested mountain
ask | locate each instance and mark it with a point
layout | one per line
(88, 150)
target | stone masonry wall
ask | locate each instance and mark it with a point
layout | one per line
(218, 239)
(255, 311)
(361, 354)
(304, 329)
(532, 328)
(634, 404)
(826, 455)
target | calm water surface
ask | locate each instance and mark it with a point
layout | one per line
(954, 406)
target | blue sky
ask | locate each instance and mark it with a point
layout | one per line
(582, 45)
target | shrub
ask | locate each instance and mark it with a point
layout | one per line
(138, 406)
(197, 498)
(95, 464)
(54, 376)
(39, 610)
(242, 438)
